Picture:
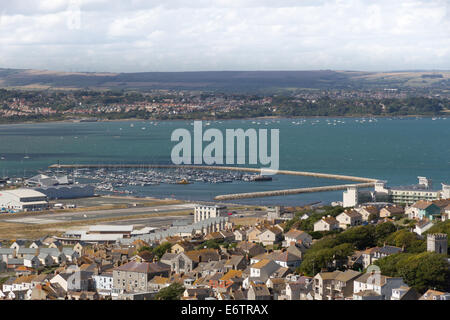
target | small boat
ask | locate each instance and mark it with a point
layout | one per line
(183, 181)
(262, 178)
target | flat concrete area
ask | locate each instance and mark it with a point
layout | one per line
(99, 214)
(106, 200)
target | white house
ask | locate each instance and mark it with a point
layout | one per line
(6, 253)
(446, 214)
(422, 226)
(270, 236)
(366, 211)
(240, 235)
(22, 283)
(326, 224)
(263, 269)
(31, 261)
(22, 252)
(349, 219)
(288, 260)
(57, 256)
(70, 254)
(45, 259)
(17, 245)
(8, 285)
(378, 283)
(103, 283)
(35, 244)
(296, 236)
(62, 280)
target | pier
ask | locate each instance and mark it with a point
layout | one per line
(287, 192)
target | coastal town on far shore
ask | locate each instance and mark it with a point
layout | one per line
(390, 243)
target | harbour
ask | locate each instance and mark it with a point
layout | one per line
(309, 145)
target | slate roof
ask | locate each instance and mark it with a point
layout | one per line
(144, 267)
(347, 275)
(388, 250)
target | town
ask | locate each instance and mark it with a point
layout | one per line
(92, 105)
(358, 249)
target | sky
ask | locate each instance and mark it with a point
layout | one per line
(206, 35)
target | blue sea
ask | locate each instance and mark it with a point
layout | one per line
(393, 149)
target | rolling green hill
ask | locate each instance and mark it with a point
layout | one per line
(222, 80)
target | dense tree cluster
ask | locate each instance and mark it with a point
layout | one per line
(158, 251)
(314, 216)
(332, 251)
(172, 292)
(421, 271)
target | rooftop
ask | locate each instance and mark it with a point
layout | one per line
(105, 228)
(24, 193)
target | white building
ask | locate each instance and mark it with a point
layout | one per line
(398, 195)
(422, 226)
(445, 194)
(350, 197)
(124, 230)
(205, 212)
(104, 283)
(446, 215)
(326, 224)
(377, 283)
(23, 200)
(349, 218)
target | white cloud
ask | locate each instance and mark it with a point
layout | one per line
(178, 35)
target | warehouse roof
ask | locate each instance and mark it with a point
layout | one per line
(24, 193)
(101, 228)
(100, 237)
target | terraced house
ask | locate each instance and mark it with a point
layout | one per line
(134, 277)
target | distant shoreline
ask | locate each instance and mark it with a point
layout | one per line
(228, 119)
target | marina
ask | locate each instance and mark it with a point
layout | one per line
(114, 176)
(114, 180)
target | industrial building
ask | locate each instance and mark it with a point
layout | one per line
(60, 187)
(98, 234)
(22, 200)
